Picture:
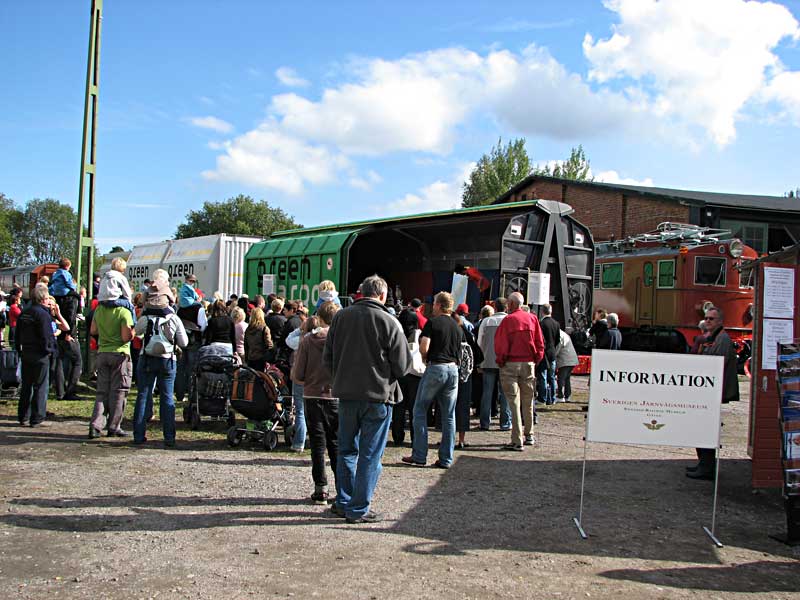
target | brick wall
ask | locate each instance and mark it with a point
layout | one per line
(607, 213)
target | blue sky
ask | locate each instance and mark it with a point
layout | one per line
(348, 110)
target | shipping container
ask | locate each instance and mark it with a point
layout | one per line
(216, 261)
(498, 247)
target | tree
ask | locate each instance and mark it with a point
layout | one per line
(576, 167)
(49, 231)
(236, 216)
(10, 225)
(116, 249)
(496, 173)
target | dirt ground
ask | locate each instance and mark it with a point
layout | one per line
(104, 519)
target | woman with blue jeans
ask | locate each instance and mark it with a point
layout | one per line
(163, 331)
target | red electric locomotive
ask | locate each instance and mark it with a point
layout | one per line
(659, 283)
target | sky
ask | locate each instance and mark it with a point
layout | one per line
(343, 111)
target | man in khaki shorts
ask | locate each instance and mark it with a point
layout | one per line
(518, 346)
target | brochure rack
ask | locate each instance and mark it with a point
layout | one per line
(789, 389)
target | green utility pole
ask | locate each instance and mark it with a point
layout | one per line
(86, 186)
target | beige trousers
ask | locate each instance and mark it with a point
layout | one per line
(518, 381)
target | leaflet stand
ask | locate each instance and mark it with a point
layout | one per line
(789, 390)
(579, 519)
(711, 532)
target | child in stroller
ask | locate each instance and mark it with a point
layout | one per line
(210, 386)
(264, 399)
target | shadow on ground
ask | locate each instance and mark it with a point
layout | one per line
(761, 576)
(632, 509)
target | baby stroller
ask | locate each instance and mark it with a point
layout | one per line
(210, 386)
(10, 377)
(263, 399)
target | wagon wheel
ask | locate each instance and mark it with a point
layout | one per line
(516, 284)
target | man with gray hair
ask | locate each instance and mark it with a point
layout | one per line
(366, 353)
(614, 334)
(518, 346)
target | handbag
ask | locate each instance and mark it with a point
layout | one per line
(417, 364)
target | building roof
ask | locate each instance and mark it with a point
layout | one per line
(692, 197)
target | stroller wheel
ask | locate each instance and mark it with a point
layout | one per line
(233, 437)
(288, 434)
(270, 440)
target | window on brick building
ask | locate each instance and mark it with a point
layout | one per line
(755, 235)
(666, 274)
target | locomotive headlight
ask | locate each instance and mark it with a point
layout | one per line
(736, 248)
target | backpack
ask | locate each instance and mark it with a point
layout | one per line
(465, 362)
(155, 342)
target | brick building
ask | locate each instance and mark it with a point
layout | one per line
(614, 211)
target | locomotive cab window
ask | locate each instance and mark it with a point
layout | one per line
(611, 276)
(666, 274)
(710, 270)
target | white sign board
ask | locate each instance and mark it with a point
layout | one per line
(539, 288)
(775, 330)
(267, 284)
(779, 292)
(459, 289)
(655, 398)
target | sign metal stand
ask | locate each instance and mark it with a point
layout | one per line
(711, 533)
(579, 519)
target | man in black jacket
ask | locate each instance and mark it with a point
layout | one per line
(366, 353)
(35, 342)
(546, 369)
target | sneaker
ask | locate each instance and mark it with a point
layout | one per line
(513, 447)
(117, 433)
(320, 498)
(169, 443)
(40, 424)
(410, 461)
(440, 465)
(296, 450)
(528, 440)
(336, 511)
(568, 399)
(94, 433)
(370, 517)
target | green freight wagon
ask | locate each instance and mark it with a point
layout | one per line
(499, 246)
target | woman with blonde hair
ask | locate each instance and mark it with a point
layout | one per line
(257, 341)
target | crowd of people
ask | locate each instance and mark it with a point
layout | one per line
(357, 373)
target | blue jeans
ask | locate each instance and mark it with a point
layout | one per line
(363, 430)
(546, 381)
(299, 439)
(490, 382)
(440, 382)
(151, 370)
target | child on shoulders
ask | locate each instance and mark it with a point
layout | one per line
(115, 291)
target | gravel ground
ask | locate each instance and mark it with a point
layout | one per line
(102, 519)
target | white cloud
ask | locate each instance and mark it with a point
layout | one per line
(697, 62)
(439, 195)
(365, 183)
(268, 158)
(212, 123)
(614, 177)
(785, 90)
(289, 77)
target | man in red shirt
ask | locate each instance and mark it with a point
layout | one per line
(518, 346)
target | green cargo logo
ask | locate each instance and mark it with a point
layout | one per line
(293, 278)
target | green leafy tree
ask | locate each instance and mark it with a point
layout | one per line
(236, 216)
(49, 230)
(10, 225)
(576, 167)
(496, 173)
(116, 249)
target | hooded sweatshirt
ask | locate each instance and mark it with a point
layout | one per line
(328, 296)
(308, 369)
